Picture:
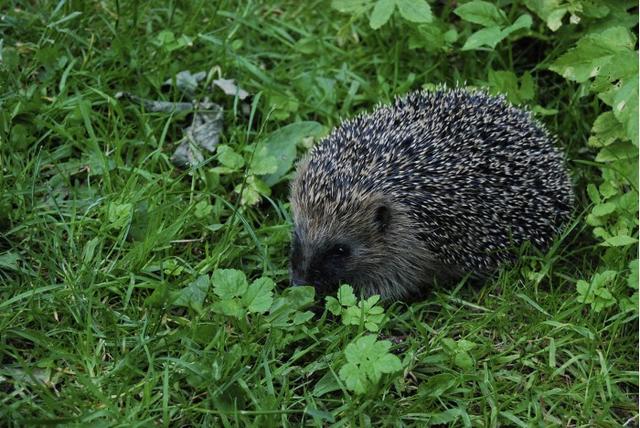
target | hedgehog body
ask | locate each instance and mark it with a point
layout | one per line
(430, 188)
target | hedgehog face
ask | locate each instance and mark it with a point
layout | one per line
(324, 265)
(334, 249)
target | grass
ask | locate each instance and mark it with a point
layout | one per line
(100, 232)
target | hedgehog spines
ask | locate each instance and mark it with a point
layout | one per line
(467, 175)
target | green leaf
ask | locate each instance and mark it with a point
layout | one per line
(527, 87)
(192, 295)
(608, 189)
(320, 415)
(603, 293)
(438, 384)
(370, 305)
(381, 13)
(167, 40)
(617, 152)
(364, 312)
(160, 295)
(172, 267)
(538, 110)
(302, 317)
(595, 293)
(249, 195)
(284, 312)
(466, 345)
(583, 287)
(252, 190)
(371, 326)
(435, 37)
(631, 303)
(367, 359)
(506, 82)
(203, 209)
(119, 214)
(625, 108)
(622, 68)
(605, 130)
(263, 163)
(632, 280)
(229, 283)
(282, 104)
(523, 21)
(493, 35)
(481, 12)
(238, 298)
(165, 37)
(230, 308)
(602, 210)
(333, 305)
(229, 158)
(593, 193)
(351, 6)
(550, 11)
(259, 295)
(417, 11)
(346, 296)
(352, 316)
(591, 53)
(300, 297)
(9, 260)
(449, 345)
(328, 383)
(463, 360)
(486, 37)
(354, 379)
(281, 144)
(388, 363)
(619, 241)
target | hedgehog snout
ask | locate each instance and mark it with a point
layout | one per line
(302, 273)
(299, 270)
(297, 278)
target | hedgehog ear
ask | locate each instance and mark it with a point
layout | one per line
(382, 217)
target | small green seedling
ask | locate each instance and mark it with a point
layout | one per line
(119, 215)
(367, 360)
(356, 313)
(459, 352)
(203, 209)
(169, 42)
(596, 292)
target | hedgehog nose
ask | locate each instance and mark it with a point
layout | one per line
(298, 280)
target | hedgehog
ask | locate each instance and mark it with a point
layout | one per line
(437, 186)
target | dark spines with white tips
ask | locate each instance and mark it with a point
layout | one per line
(467, 174)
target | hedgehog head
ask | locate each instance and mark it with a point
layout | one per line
(344, 233)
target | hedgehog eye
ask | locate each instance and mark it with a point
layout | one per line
(339, 250)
